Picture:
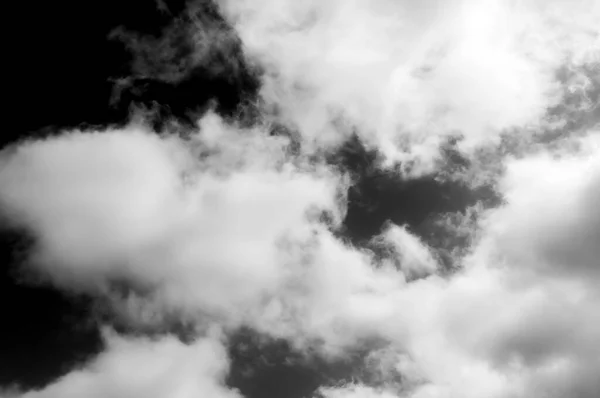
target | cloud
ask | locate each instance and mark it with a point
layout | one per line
(356, 391)
(519, 319)
(196, 39)
(218, 228)
(131, 206)
(405, 74)
(412, 256)
(224, 227)
(552, 223)
(147, 368)
(213, 231)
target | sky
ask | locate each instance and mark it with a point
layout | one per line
(341, 199)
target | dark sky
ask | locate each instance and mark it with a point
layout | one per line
(63, 69)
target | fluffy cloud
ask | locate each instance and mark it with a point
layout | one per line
(218, 235)
(552, 223)
(136, 368)
(413, 257)
(224, 228)
(406, 74)
(131, 206)
(219, 228)
(520, 319)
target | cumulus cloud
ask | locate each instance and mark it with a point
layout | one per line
(519, 319)
(224, 227)
(505, 326)
(163, 368)
(406, 74)
(235, 238)
(552, 223)
(131, 206)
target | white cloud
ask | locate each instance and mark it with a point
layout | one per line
(229, 238)
(114, 206)
(233, 238)
(91, 198)
(356, 391)
(413, 256)
(552, 222)
(407, 73)
(241, 248)
(521, 318)
(223, 228)
(145, 368)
